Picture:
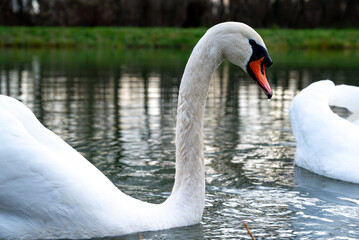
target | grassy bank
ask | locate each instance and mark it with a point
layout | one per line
(171, 38)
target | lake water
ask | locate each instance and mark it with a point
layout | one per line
(118, 109)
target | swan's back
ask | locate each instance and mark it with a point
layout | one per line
(326, 143)
(46, 187)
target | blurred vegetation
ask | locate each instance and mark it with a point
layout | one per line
(321, 39)
(99, 37)
(166, 38)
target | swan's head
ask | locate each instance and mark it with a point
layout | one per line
(256, 65)
(243, 46)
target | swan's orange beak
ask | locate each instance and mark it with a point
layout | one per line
(259, 76)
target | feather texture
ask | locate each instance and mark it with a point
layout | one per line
(48, 190)
(326, 143)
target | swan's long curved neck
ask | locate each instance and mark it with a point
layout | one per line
(186, 203)
(189, 187)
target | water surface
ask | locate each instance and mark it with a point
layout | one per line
(118, 109)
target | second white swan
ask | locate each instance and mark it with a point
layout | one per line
(327, 144)
(48, 190)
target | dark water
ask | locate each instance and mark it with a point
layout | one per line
(118, 109)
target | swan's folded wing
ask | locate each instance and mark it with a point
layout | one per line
(40, 188)
(25, 191)
(39, 132)
(346, 96)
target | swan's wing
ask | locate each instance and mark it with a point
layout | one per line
(26, 190)
(346, 96)
(17, 118)
(40, 133)
(43, 181)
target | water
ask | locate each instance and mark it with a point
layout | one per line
(118, 109)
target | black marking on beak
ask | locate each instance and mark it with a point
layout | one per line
(259, 52)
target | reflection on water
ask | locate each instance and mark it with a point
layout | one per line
(118, 109)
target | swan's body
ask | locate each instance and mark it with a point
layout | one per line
(48, 190)
(326, 143)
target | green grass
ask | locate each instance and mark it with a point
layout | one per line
(99, 37)
(314, 39)
(165, 38)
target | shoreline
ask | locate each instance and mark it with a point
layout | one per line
(167, 38)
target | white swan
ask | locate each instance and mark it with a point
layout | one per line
(326, 143)
(48, 190)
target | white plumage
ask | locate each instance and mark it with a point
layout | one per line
(327, 144)
(48, 190)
